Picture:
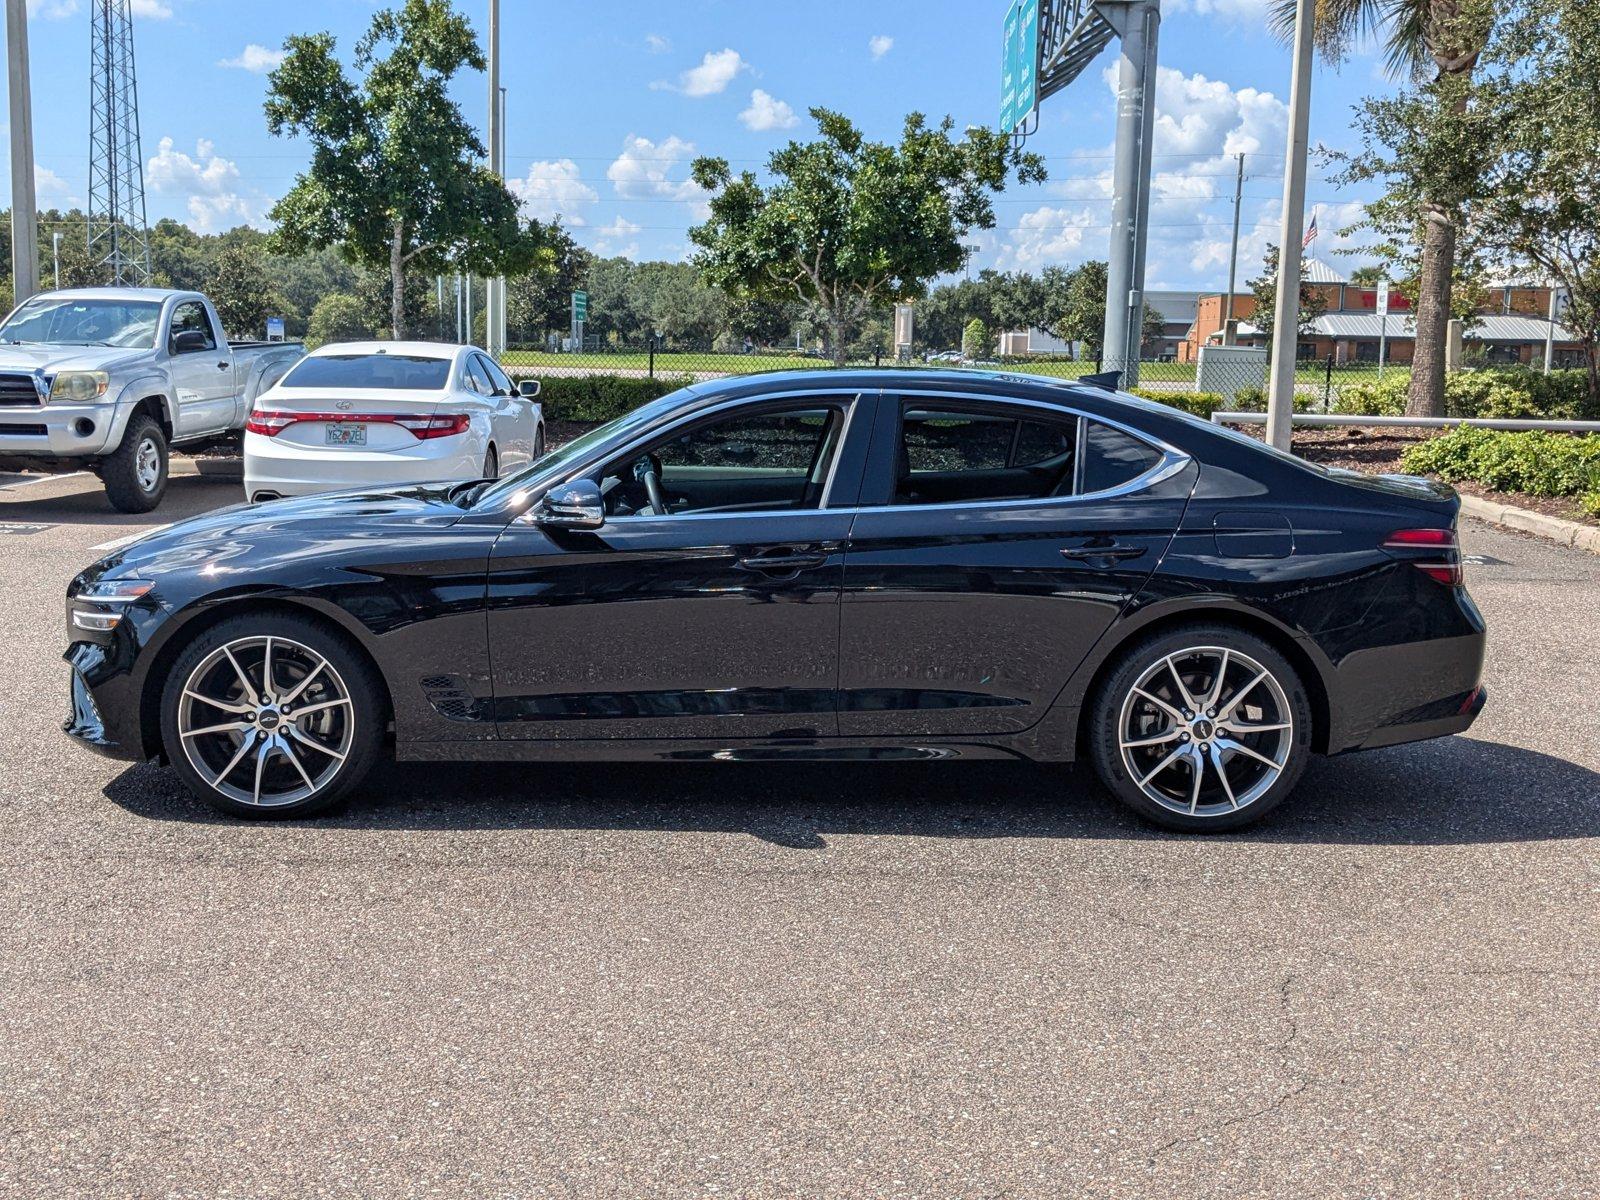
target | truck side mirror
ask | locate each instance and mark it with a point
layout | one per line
(189, 341)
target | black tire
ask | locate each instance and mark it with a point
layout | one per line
(538, 443)
(1189, 658)
(126, 470)
(347, 671)
(491, 464)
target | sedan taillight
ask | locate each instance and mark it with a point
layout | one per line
(271, 422)
(1437, 553)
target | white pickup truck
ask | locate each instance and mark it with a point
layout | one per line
(108, 378)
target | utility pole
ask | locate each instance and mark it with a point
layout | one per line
(1138, 25)
(24, 213)
(494, 289)
(1228, 327)
(55, 258)
(1286, 315)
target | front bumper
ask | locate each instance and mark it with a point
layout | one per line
(104, 714)
(60, 431)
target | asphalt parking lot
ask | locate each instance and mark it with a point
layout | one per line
(938, 981)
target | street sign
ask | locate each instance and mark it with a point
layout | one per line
(580, 306)
(1019, 62)
(1383, 299)
(274, 329)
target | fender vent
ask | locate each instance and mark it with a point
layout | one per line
(452, 699)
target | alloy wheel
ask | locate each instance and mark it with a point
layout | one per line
(266, 721)
(147, 464)
(1205, 731)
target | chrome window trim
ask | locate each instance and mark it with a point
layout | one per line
(1172, 461)
(851, 395)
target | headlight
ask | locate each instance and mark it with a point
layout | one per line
(99, 607)
(79, 386)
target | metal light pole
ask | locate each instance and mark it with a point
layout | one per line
(55, 258)
(24, 214)
(494, 289)
(1228, 337)
(1286, 315)
(1138, 25)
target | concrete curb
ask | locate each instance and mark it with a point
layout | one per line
(1567, 533)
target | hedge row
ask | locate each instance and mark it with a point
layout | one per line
(597, 398)
(1503, 393)
(1534, 462)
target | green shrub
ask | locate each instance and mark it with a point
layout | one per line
(1384, 397)
(1499, 392)
(1198, 404)
(601, 397)
(1535, 462)
(337, 318)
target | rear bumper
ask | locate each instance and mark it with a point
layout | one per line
(272, 469)
(1422, 726)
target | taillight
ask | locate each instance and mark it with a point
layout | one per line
(270, 422)
(1444, 566)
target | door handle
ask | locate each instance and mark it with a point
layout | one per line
(796, 558)
(223, 366)
(1115, 552)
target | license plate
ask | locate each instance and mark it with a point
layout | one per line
(347, 435)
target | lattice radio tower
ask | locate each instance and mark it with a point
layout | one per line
(118, 242)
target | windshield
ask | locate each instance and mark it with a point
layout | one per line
(401, 372)
(72, 321)
(553, 463)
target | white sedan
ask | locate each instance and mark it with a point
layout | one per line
(380, 414)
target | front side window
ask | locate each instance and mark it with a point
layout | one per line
(477, 378)
(979, 453)
(190, 317)
(58, 321)
(775, 460)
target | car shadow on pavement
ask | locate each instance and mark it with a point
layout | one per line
(1458, 791)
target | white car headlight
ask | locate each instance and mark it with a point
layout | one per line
(79, 386)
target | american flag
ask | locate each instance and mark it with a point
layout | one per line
(1311, 232)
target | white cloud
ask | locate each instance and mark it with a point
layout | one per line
(150, 10)
(640, 173)
(554, 189)
(52, 10)
(715, 72)
(880, 45)
(209, 184)
(618, 239)
(256, 59)
(47, 183)
(657, 44)
(768, 112)
(1049, 235)
(1254, 11)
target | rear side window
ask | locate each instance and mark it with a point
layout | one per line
(1112, 458)
(964, 455)
(398, 371)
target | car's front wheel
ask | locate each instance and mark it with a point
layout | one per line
(272, 715)
(1201, 728)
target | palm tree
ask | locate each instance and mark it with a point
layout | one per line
(1420, 37)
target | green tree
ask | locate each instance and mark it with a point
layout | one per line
(1543, 209)
(848, 224)
(241, 289)
(395, 177)
(1265, 290)
(1432, 169)
(975, 339)
(338, 318)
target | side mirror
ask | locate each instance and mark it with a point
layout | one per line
(576, 504)
(528, 389)
(189, 341)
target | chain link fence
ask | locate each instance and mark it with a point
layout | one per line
(1240, 379)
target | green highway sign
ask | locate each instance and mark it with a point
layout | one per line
(1019, 64)
(580, 306)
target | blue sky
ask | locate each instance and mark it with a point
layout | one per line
(608, 103)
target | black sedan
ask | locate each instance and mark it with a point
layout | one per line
(870, 565)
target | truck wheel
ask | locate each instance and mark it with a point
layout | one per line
(135, 473)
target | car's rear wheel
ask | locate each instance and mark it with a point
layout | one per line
(272, 715)
(491, 464)
(1201, 728)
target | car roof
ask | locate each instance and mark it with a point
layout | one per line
(999, 384)
(113, 293)
(445, 350)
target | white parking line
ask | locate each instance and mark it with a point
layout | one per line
(114, 543)
(10, 483)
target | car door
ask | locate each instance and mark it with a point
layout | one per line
(513, 416)
(202, 377)
(996, 541)
(717, 618)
